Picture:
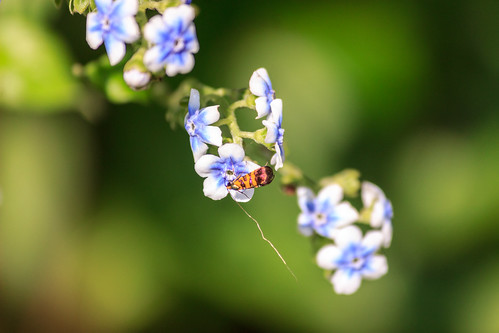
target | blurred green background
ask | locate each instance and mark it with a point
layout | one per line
(103, 222)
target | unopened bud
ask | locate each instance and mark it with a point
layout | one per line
(135, 73)
(136, 79)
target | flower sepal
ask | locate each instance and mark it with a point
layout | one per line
(135, 73)
(348, 179)
(82, 7)
(260, 138)
(250, 99)
(162, 5)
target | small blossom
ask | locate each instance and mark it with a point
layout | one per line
(381, 210)
(136, 79)
(261, 86)
(219, 171)
(196, 124)
(324, 214)
(114, 24)
(353, 258)
(174, 40)
(275, 132)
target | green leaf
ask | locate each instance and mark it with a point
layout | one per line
(79, 6)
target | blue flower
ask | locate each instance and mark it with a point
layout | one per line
(114, 24)
(324, 214)
(196, 124)
(219, 171)
(174, 40)
(261, 86)
(353, 258)
(381, 208)
(275, 132)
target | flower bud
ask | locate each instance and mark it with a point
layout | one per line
(136, 79)
(135, 73)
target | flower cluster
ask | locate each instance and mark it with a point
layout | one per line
(348, 253)
(231, 162)
(165, 44)
(171, 38)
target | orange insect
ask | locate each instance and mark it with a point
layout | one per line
(256, 178)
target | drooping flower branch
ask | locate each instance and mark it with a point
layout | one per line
(348, 239)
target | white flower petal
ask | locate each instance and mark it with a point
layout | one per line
(172, 69)
(278, 158)
(198, 147)
(214, 188)
(348, 235)
(154, 29)
(151, 59)
(194, 101)
(128, 30)
(387, 231)
(115, 49)
(345, 283)
(94, 32)
(370, 193)
(262, 107)
(259, 82)
(331, 194)
(211, 135)
(373, 239)
(305, 199)
(305, 224)
(231, 150)
(272, 131)
(346, 214)
(328, 230)
(180, 66)
(183, 14)
(204, 164)
(208, 115)
(188, 64)
(192, 44)
(276, 111)
(242, 196)
(103, 6)
(125, 7)
(377, 214)
(378, 267)
(327, 256)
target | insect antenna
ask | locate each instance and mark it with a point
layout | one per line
(265, 239)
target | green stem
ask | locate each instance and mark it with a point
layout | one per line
(221, 122)
(160, 6)
(248, 135)
(235, 131)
